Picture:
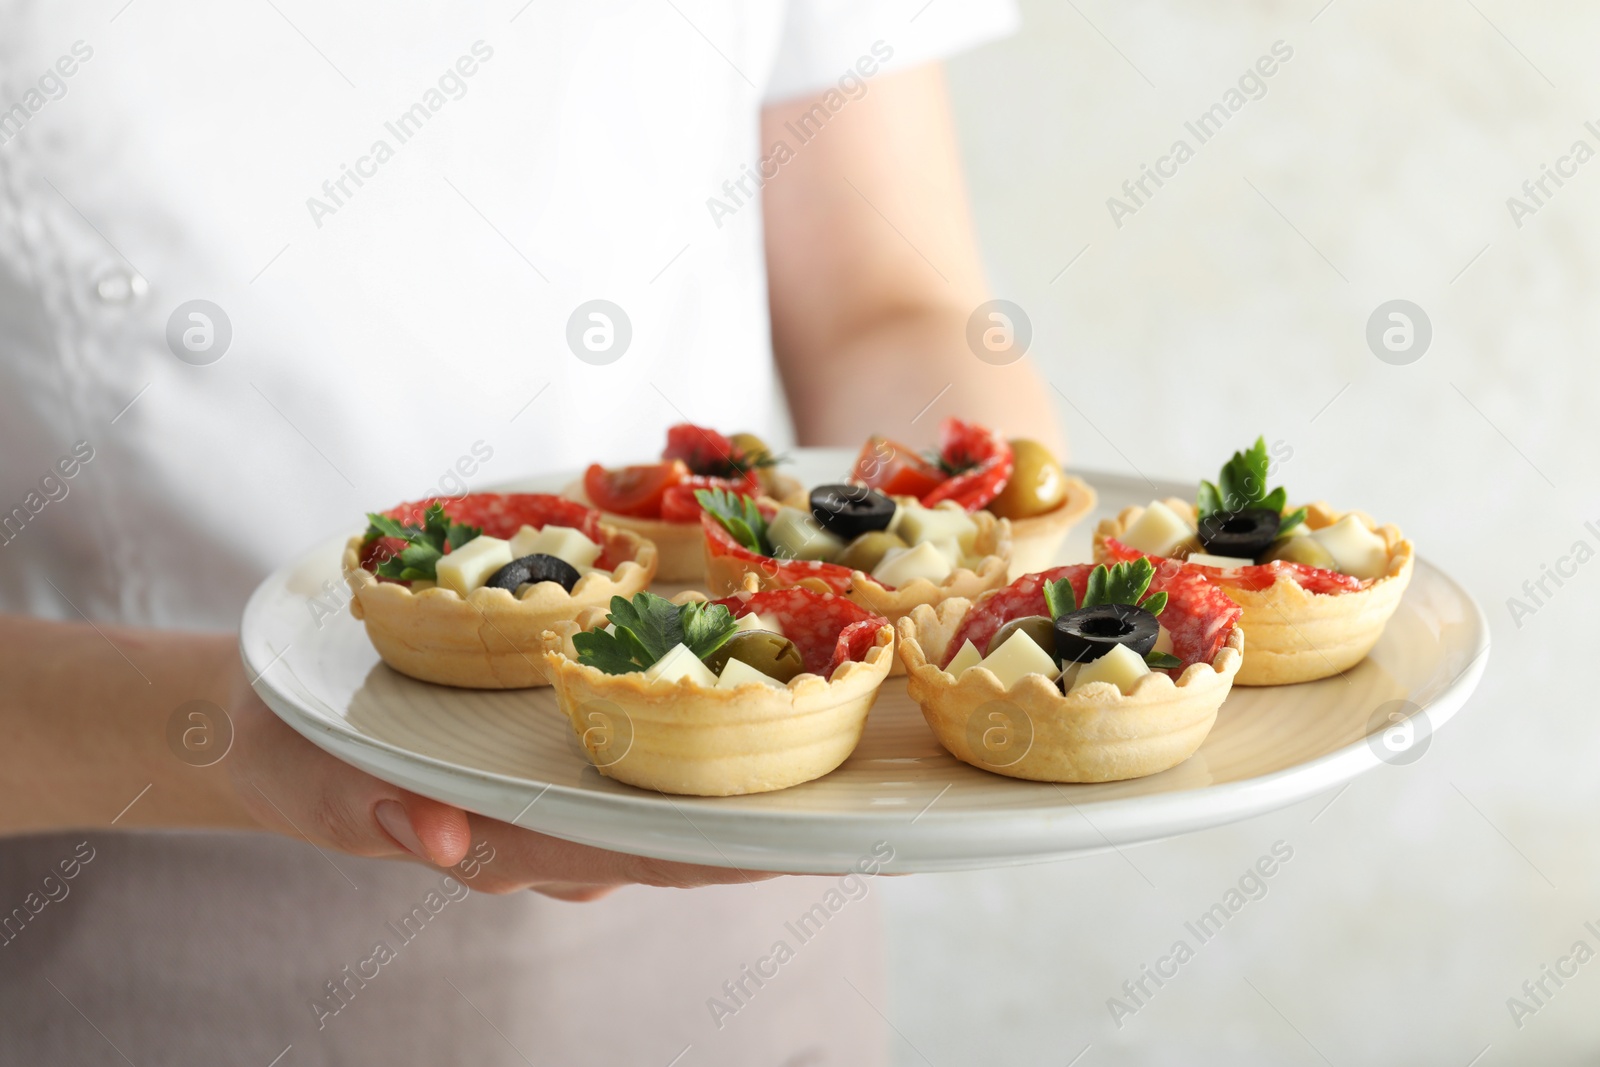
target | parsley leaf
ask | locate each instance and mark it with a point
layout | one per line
(1059, 599)
(1161, 661)
(740, 516)
(742, 463)
(604, 652)
(424, 545)
(1242, 484)
(648, 627)
(1124, 583)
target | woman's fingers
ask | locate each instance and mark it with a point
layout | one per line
(523, 859)
(433, 832)
(574, 894)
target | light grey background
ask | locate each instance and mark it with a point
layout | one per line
(1377, 166)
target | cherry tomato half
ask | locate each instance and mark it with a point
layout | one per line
(895, 470)
(635, 491)
(678, 504)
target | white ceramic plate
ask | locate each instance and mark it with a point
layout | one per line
(512, 755)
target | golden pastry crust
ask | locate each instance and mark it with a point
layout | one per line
(1034, 731)
(680, 555)
(491, 639)
(1036, 542)
(691, 740)
(1297, 635)
(727, 574)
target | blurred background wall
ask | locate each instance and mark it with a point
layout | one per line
(1376, 165)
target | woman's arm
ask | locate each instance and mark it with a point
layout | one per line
(874, 271)
(84, 713)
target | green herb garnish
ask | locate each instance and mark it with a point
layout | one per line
(1162, 661)
(1124, 583)
(648, 627)
(740, 516)
(425, 544)
(742, 463)
(1243, 484)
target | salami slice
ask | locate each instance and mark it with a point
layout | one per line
(1198, 615)
(828, 630)
(706, 451)
(1256, 577)
(787, 571)
(982, 459)
(497, 515)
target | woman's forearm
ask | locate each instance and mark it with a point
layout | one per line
(874, 273)
(902, 375)
(85, 715)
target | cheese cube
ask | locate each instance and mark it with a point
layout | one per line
(523, 540)
(678, 663)
(753, 621)
(894, 523)
(737, 672)
(907, 565)
(1227, 563)
(1357, 550)
(1163, 641)
(1158, 531)
(564, 542)
(474, 563)
(1122, 667)
(1017, 658)
(950, 549)
(795, 534)
(968, 656)
(918, 524)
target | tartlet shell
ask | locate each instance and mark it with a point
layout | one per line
(1297, 635)
(1096, 734)
(491, 639)
(691, 740)
(680, 555)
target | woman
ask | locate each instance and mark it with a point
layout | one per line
(392, 225)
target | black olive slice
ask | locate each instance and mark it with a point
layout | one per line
(1240, 534)
(848, 511)
(1085, 635)
(535, 568)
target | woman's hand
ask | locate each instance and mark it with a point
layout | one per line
(290, 786)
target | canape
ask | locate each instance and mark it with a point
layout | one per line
(1317, 585)
(887, 555)
(459, 590)
(656, 500)
(1018, 480)
(1138, 663)
(745, 694)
